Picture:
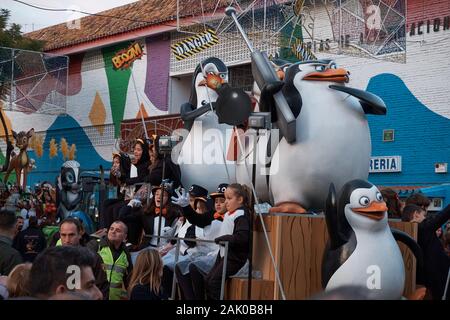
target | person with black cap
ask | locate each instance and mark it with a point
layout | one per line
(153, 213)
(196, 191)
(190, 273)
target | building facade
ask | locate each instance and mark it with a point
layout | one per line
(410, 145)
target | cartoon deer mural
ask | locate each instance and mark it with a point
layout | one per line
(20, 162)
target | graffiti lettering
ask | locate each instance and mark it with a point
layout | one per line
(124, 58)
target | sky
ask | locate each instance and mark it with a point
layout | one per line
(33, 19)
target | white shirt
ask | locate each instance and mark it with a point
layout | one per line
(227, 226)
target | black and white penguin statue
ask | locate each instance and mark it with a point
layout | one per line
(362, 250)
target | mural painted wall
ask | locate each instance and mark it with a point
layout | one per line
(416, 94)
(99, 97)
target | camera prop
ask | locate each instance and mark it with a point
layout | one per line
(165, 144)
(265, 75)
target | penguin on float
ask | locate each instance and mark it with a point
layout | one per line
(332, 136)
(264, 144)
(362, 250)
(199, 163)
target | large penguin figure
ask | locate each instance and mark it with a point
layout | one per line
(266, 142)
(361, 250)
(332, 136)
(203, 154)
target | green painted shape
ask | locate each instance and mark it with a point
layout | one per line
(12, 176)
(292, 31)
(117, 84)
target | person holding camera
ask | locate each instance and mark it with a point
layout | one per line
(135, 172)
(158, 159)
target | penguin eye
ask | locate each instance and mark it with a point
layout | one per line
(204, 102)
(320, 68)
(222, 75)
(379, 197)
(364, 201)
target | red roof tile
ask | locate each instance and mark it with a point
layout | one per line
(144, 13)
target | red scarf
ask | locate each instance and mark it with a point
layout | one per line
(158, 211)
(218, 215)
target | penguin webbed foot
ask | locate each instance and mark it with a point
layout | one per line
(288, 207)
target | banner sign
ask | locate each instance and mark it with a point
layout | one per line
(195, 44)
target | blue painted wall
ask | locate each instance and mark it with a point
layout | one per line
(422, 137)
(68, 128)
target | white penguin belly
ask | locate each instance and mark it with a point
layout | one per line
(376, 264)
(333, 145)
(203, 155)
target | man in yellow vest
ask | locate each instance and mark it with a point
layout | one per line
(116, 259)
(70, 231)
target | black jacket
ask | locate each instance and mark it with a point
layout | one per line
(171, 172)
(436, 261)
(142, 172)
(238, 241)
(143, 292)
(30, 242)
(9, 257)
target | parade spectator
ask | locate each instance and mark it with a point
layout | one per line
(234, 230)
(9, 257)
(18, 281)
(419, 199)
(19, 224)
(145, 282)
(30, 242)
(70, 231)
(49, 275)
(447, 242)
(393, 203)
(116, 259)
(436, 261)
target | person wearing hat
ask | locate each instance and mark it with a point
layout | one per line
(153, 213)
(196, 191)
(190, 275)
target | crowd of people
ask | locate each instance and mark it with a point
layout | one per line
(155, 230)
(135, 252)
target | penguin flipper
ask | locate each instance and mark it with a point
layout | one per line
(331, 218)
(266, 101)
(188, 113)
(411, 244)
(370, 103)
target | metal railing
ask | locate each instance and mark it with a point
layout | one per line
(177, 254)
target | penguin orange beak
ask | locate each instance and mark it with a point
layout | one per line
(375, 211)
(212, 81)
(333, 75)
